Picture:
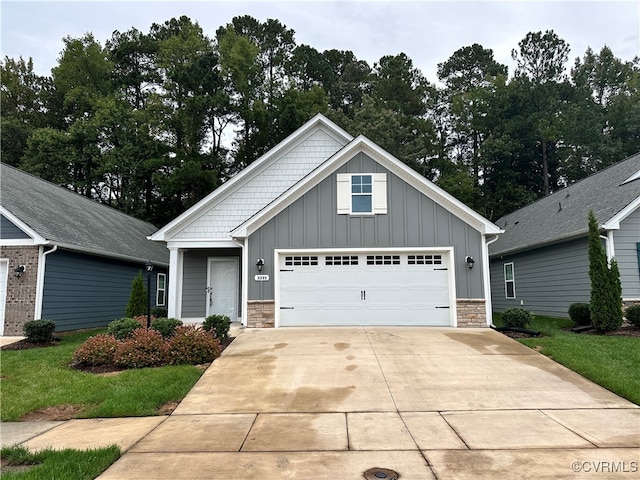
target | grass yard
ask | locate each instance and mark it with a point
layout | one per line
(608, 360)
(20, 464)
(36, 379)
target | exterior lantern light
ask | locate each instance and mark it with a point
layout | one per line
(19, 270)
(470, 261)
(260, 264)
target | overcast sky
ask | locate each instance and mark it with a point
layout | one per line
(428, 31)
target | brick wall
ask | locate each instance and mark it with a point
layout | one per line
(471, 313)
(21, 292)
(261, 314)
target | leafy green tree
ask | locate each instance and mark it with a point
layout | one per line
(606, 293)
(138, 298)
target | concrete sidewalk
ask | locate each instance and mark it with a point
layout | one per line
(336, 402)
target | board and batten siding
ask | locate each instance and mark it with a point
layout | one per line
(547, 280)
(413, 220)
(10, 231)
(625, 241)
(194, 279)
(84, 291)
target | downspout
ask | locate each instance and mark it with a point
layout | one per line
(610, 247)
(487, 281)
(37, 314)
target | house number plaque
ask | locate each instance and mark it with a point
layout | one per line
(261, 278)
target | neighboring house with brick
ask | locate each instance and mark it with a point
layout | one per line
(327, 229)
(541, 261)
(66, 258)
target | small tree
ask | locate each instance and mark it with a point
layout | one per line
(606, 293)
(138, 299)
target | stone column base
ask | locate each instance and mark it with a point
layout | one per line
(261, 314)
(471, 313)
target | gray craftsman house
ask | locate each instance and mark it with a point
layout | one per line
(541, 260)
(66, 258)
(327, 229)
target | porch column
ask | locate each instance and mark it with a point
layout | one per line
(174, 302)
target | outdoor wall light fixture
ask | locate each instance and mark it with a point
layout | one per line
(260, 264)
(470, 261)
(19, 270)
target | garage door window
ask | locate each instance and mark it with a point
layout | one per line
(383, 259)
(424, 260)
(301, 260)
(341, 260)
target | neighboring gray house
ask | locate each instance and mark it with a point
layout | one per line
(66, 258)
(541, 261)
(325, 229)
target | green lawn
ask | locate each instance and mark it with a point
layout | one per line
(39, 378)
(58, 465)
(610, 361)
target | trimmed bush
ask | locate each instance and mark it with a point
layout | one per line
(220, 325)
(633, 315)
(165, 326)
(193, 346)
(39, 331)
(145, 348)
(516, 318)
(123, 327)
(159, 312)
(96, 350)
(580, 313)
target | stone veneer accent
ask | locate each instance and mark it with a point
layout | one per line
(21, 292)
(261, 314)
(471, 313)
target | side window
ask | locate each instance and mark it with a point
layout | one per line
(161, 289)
(362, 194)
(509, 281)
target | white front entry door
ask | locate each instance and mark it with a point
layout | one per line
(4, 272)
(222, 287)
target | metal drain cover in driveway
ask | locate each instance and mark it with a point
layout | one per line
(378, 473)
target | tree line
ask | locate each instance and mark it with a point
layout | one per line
(150, 123)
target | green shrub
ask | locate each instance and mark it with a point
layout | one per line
(145, 348)
(96, 350)
(580, 313)
(220, 325)
(159, 312)
(165, 326)
(516, 318)
(138, 299)
(633, 315)
(39, 331)
(123, 327)
(193, 346)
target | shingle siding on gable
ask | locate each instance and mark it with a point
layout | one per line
(625, 241)
(9, 231)
(547, 280)
(262, 188)
(413, 220)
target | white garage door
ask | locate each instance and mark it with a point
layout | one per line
(374, 288)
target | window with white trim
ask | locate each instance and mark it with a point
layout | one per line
(362, 193)
(509, 281)
(161, 289)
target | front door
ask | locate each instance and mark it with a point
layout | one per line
(222, 287)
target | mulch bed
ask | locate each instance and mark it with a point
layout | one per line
(25, 345)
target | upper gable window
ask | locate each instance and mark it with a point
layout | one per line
(362, 194)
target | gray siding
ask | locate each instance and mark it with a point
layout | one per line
(83, 291)
(547, 280)
(194, 279)
(9, 231)
(625, 241)
(413, 220)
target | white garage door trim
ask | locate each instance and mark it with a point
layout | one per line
(4, 280)
(353, 251)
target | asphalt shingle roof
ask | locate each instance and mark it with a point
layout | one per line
(71, 220)
(563, 214)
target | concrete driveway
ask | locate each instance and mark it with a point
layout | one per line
(333, 403)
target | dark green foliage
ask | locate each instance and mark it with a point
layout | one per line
(606, 291)
(220, 325)
(138, 300)
(516, 318)
(39, 331)
(123, 327)
(633, 315)
(193, 346)
(165, 326)
(580, 313)
(159, 312)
